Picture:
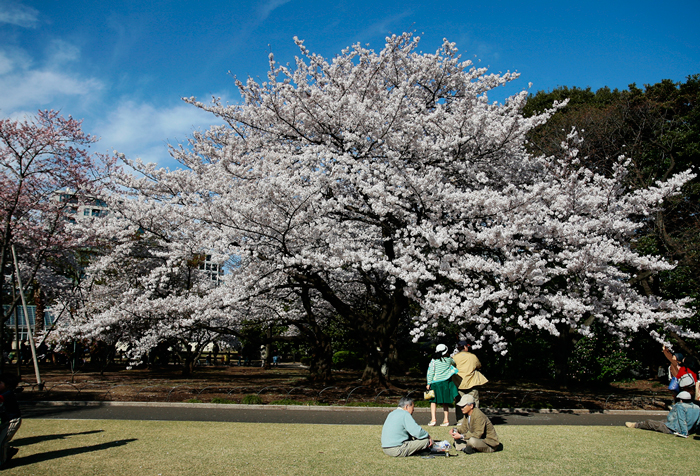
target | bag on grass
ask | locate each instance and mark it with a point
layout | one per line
(442, 446)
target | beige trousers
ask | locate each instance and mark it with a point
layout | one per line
(476, 443)
(408, 447)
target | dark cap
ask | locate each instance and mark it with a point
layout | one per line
(462, 343)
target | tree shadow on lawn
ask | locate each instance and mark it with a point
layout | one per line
(49, 455)
(38, 439)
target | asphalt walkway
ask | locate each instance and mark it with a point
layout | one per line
(330, 415)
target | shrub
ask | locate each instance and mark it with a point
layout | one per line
(252, 400)
(222, 400)
(415, 371)
(286, 401)
(345, 359)
(601, 359)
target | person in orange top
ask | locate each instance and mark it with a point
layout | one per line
(468, 377)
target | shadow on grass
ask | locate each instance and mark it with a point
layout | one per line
(38, 439)
(49, 455)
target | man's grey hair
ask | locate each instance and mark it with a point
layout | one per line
(405, 401)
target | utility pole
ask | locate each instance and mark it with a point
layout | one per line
(26, 321)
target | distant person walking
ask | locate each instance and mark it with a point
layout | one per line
(468, 378)
(439, 376)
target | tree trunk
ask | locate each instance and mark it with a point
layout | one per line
(320, 370)
(188, 358)
(321, 358)
(563, 346)
(268, 348)
(376, 373)
(40, 308)
(187, 366)
(379, 333)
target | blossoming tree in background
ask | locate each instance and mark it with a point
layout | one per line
(144, 287)
(383, 189)
(41, 156)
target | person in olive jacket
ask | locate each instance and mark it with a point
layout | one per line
(476, 433)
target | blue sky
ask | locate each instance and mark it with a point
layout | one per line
(122, 67)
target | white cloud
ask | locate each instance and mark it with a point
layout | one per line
(26, 85)
(6, 64)
(143, 130)
(61, 52)
(17, 14)
(40, 88)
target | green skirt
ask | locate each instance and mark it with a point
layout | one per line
(445, 392)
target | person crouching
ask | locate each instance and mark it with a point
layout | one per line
(476, 434)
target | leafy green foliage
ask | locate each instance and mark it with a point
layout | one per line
(346, 359)
(252, 400)
(658, 128)
(225, 401)
(600, 359)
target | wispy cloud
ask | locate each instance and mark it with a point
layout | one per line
(60, 52)
(39, 88)
(26, 85)
(15, 13)
(144, 130)
(268, 7)
(394, 24)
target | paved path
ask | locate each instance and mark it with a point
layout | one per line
(302, 414)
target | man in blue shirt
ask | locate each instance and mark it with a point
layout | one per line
(401, 435)
(683, 419)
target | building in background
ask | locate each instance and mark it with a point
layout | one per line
(79, 209)
(213, 271)
(18, 317)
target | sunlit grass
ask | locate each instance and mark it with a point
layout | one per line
(141, 448)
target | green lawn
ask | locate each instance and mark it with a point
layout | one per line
(144, 448)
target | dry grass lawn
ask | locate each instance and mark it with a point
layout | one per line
(145, 448)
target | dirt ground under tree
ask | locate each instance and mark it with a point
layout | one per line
(288, 384)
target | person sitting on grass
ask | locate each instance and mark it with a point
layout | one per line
(476, 434)
(401, 435)
(683, 419)
(10, 416)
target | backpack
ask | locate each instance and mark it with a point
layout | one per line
(686, 380)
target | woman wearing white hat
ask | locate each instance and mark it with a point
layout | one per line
(440, 372)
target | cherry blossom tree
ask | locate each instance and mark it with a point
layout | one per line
(40, 158)
(384, 188)
(144, 287)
